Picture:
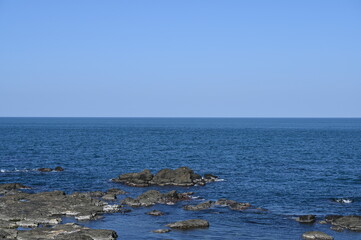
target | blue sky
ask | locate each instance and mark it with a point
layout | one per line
(180, 58)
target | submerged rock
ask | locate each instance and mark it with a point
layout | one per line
(352, 223)
(233, 205)
(306, 219)
(198, 207)
(152, 197)
(189, 224)
(45, 169)
(58, 169)
(155, 213)
(182, 176)
(316, 235)
(161, 230)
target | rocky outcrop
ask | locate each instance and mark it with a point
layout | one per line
(69, 231)
(25, 209)
(182, 176)
(189, 224)
(153, 197)
(8, 187)
(316, 235)
(233, 205)
(306, 219)
(198, 207)
(352, 223)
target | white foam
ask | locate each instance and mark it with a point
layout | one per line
(219, 180)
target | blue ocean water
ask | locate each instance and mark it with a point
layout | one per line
(288, 166)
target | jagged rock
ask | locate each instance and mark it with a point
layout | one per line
(161, 230)
(153, 197)
(155, 213)
(316, 235)
(67, 231)
(116, 191)
(198, 207)
(58, 169)
(182, 176)
(109, 196)
(45, 169)
(306, 219)
(352, 223)
(189, 224)
(233, 205)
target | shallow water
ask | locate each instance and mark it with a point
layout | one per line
(288, 166)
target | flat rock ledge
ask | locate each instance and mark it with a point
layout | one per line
(152, 197)
(69, 231)
(189, 224)
(339, 223)
(316, 235)
(182, 176)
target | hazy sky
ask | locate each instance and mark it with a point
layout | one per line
(180, 58)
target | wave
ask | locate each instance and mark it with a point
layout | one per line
(342, 200)
(17, 170)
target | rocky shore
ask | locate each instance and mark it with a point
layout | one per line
(42, 212)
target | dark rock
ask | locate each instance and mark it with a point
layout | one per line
(153, 197)
(58, 169)
(233, 205)
(182, 176)
(155, 213)
(45, 169)
(66, 231)
(306, 219)
(331, 218)
(189, 224)
(352, 223)
(141, 179)
(161, 230)
(224, 202)
(201, 206)
(116, 191)
(7, 187)
(109, 196)
(316, 235)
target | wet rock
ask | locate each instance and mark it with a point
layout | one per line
(316, 235)
(322, 222)
(109, 196)
(45, 169)
(331, 218)
(182, 176)
(352, 223)
(58, 169)
(116, 191)
(189, 224)
(152, 197)
(47, 207)
(198, 207)
(233, 205)
(141, 179)
(161, 230)
(67, 231)
(7, 187)
(306, 219)
(336, 228)
(155, 213)
(96, 194)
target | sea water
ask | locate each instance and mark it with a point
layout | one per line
(288, 166)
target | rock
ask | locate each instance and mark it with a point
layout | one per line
(306, 219)
(58, 169)
(155, 213)
(336, 228)
(233, 205)
(153, 197)
(47, 207)
(116, 191)
(316, 235)
(66, 231)
(109, 196)
(97, 194)
(322, 222)
(7, 187)
(198, 207)
(331, 218)
(182, 176)
(352, 223)
(189, 224)
(161, 230)
(45, 169)
(141, 179)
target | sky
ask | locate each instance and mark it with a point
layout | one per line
(180, 58)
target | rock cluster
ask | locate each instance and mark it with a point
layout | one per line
(352, 223)
(153, 197)
(56, 169)
(182, 176)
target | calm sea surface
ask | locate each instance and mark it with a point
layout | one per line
(288, 166)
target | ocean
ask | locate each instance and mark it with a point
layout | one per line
(289, 166)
